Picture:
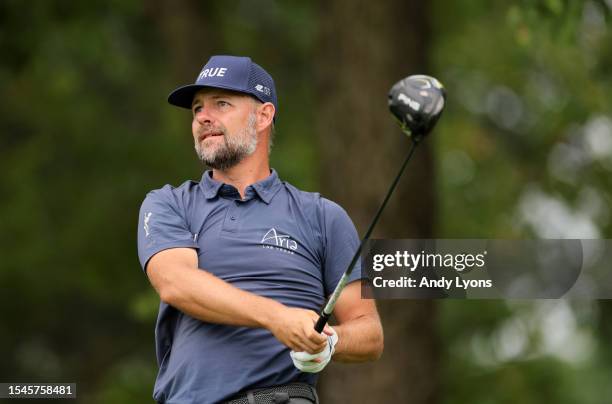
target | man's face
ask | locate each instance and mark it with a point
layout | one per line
(223, 127)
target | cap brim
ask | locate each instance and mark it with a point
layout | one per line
(183, 96)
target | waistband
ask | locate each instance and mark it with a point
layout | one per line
(276, 395)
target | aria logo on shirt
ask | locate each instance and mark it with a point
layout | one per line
(282, 242)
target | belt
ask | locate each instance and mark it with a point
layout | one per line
(276, 395)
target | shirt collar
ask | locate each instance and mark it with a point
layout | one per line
(265, 189)
(268, 187)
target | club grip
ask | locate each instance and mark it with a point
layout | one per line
(323, 318)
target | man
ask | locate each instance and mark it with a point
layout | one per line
(243, 261)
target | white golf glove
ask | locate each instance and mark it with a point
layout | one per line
(305, 361)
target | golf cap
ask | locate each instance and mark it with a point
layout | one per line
(234, 73)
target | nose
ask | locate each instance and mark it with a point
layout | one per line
(203, 117)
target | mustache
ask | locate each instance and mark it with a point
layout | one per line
(203, 133)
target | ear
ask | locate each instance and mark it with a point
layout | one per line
(265, 115)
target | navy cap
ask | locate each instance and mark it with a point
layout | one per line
(234, 73)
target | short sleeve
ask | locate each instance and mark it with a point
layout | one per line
(341, 243)
(162, 225)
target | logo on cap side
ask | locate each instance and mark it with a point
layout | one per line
(262, 89)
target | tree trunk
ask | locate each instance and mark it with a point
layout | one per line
(183, 24)
(364, 48)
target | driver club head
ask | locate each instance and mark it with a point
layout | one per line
(417, 102)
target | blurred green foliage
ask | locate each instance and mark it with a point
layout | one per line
(524, 150)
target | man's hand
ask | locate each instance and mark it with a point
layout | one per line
(310, 363)
(294, 327)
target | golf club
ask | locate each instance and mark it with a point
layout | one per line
(416, 102)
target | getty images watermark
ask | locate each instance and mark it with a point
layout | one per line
(487, 269)
(411, 262)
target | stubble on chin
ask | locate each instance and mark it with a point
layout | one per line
(233, 148)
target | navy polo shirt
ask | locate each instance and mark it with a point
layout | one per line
(278, 242)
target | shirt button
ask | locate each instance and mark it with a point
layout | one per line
(233, 218)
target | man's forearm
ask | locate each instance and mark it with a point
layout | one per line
(178, 281)
(359, 340)
(208, 298)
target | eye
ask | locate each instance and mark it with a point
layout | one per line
(196, 109)
(222, 103)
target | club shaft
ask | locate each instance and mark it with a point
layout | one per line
(331, 302)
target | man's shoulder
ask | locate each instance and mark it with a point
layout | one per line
(301, 195)
(317, 201)
(186, 187)
(171, 194)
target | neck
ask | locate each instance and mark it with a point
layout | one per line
(247, 172)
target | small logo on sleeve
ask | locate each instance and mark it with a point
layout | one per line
(278, 241)
(147, 216)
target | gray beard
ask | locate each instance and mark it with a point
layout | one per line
(234, 149)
